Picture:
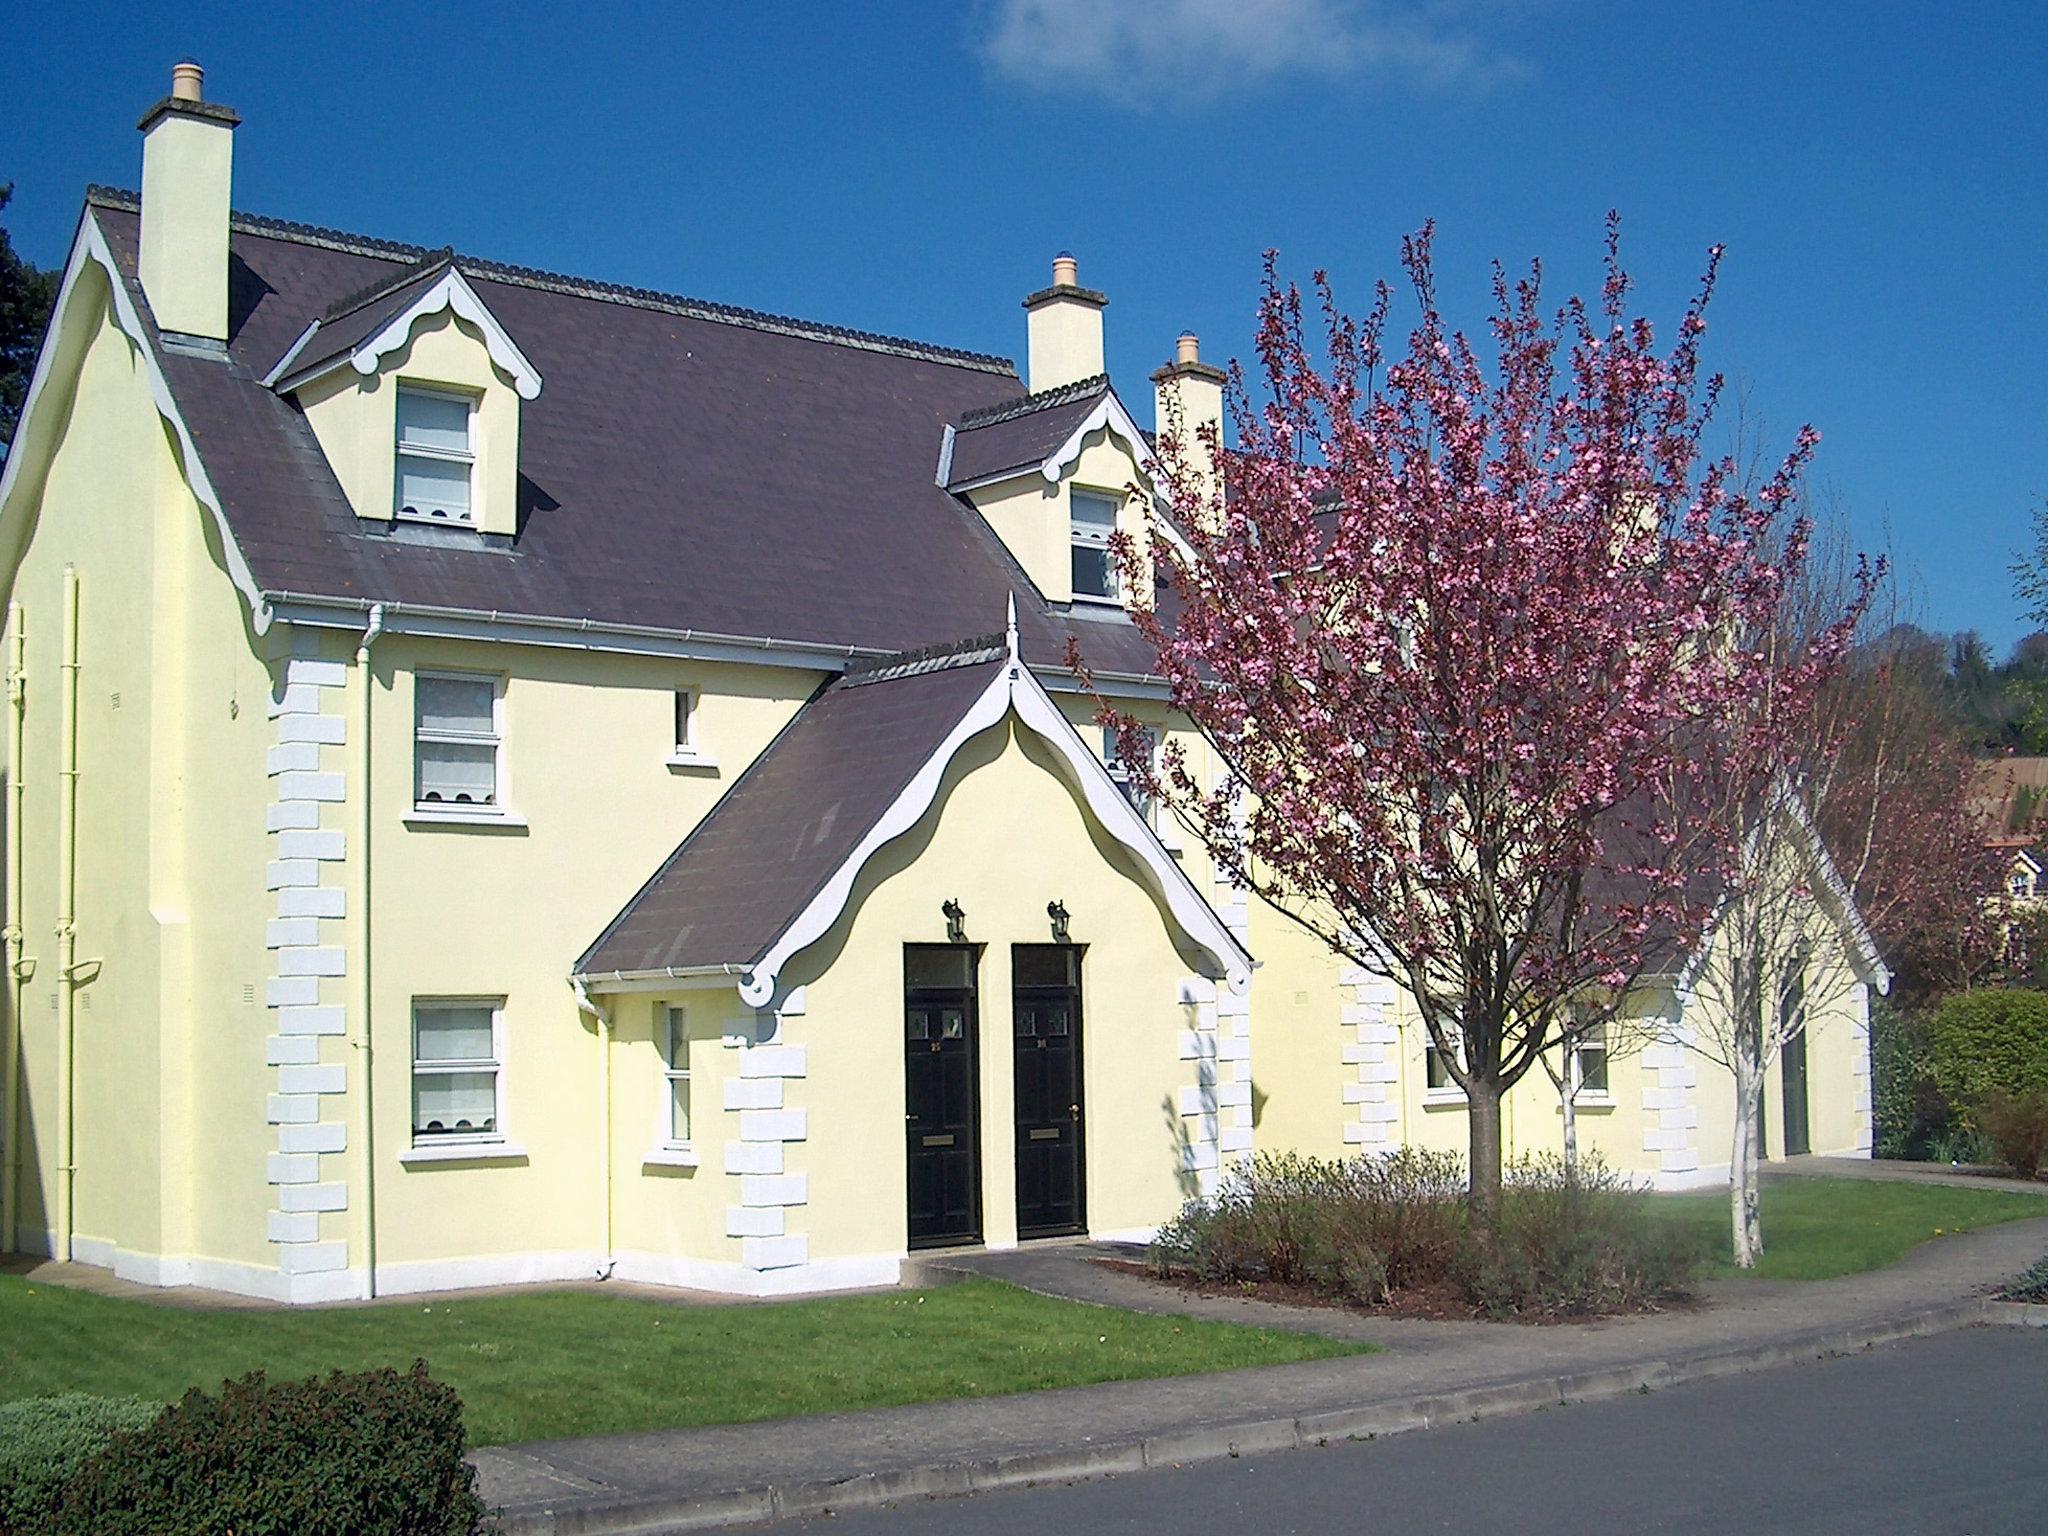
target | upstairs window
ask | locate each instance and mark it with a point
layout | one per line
(1094, 520)
(456, 741)
(1113, 760)
(436, 457)
(1586, 1061)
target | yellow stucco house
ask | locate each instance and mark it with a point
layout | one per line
(515, 778)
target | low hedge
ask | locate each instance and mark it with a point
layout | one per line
(1990, 1042)
(44, 1440)
(374, 1453)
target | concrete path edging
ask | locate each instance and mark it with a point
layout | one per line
(1364, 1421)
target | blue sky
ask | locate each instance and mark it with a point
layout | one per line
(1879, 173)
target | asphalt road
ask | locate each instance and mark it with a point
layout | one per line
(1946, 1436)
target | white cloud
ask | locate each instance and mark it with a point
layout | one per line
(1152, 52)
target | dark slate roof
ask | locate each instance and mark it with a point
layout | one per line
(1020, 433)
(355, 319)
(688, 466)
(793, 818)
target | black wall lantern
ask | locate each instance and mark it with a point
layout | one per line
(1057, 911)
(956, 921)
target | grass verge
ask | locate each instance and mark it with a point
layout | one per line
(549, 1365)
(1817, 1229)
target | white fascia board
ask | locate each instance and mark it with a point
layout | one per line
(2031, 862)
(1014, 688)
(291, 356)
(90, 249)
(1870, 967)
(1110, 413)
(673, 979)
(452, 292)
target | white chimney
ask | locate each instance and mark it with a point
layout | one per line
(188, 146)
(1065, 329)
(1187, 396)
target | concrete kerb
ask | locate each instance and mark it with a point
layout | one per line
(1367, 1421)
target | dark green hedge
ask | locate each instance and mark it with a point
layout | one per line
(1990, 1042)
(43, 1442)
(377, 1453)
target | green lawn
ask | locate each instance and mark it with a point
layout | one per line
(546, 1365)
(1815, 1229)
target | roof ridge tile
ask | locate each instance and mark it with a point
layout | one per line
(1046, 399)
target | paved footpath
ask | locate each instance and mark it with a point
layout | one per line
(1431, 1373)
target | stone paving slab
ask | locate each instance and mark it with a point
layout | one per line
(694, 1479)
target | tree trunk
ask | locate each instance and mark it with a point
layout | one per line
(1570, 1100)
(1745, 1222)
(1482, 1098)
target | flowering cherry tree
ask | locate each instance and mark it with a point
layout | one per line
(1467, 634)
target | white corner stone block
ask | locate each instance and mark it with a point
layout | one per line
(1681, 1160)
(1198, 1157)
(1194, 1046)
(331, 960)
(290, 992)
(311, 786)
(1234, 1048)
(741, 1094)
(313, 1197)
(774, 1189)
(312, 1258)
(312, 901)
(772, 1061)
(1203, 1128)
(293, 757)
(1236, 1139)
(292, 1226)
(324, 1137)
(1238, 1094)
(280, 873)
(1355, 1135)
(291, 932)
(290, 1050)
(287, 814)
(310, 1020)
(1196, 1101)
(328, 730)
(775, 1252)
(327, 846)
(295, 699)
(312, 1079)
(1197, 989)
(771, 1125)
(291, 1108)
(753, 1157)
(313, 673)
(291, 1168)
(744, 1221)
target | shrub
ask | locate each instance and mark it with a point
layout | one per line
(1990, 1041)
(2016, 1125)
(1960, 1144)
(2031, 1286)
(43, 1440)
(376, 1453)
(1367, 1229)
(1576, 1244)
(1908, 1110)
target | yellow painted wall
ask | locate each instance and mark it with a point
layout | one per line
(1006, 837)
(356, 420)
(484, 911)
(171, 845)
(1033, 519)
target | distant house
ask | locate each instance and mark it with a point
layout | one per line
(513, 777)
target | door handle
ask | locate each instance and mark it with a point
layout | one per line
(1074, 1111)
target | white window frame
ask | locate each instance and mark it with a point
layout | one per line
(1574, 1068)
(1146, 806)
(1076, 539)
(454, 1147)
(671, 1021)
(497, 813)
(688, 751)
(467, 457)
(1450, 1094)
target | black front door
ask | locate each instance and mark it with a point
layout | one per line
(939, 1097)
(1045, 1012)
(1792, 1068)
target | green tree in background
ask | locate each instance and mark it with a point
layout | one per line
(26, 294)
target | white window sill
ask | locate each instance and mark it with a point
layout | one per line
(1597, 1102)
(670, 1157)
(457, 816)
(702, 761)
(1088, 599)
(463, 1152)
(1443, 1098)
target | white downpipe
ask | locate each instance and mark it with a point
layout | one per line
(604, 1078)
(67, 919)
(366, 1138)
(18, 968)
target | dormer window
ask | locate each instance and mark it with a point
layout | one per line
(1094, 520)
(436, 457)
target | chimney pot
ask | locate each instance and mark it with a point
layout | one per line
(186, 79)
(1187, 348)
(1066, 272)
